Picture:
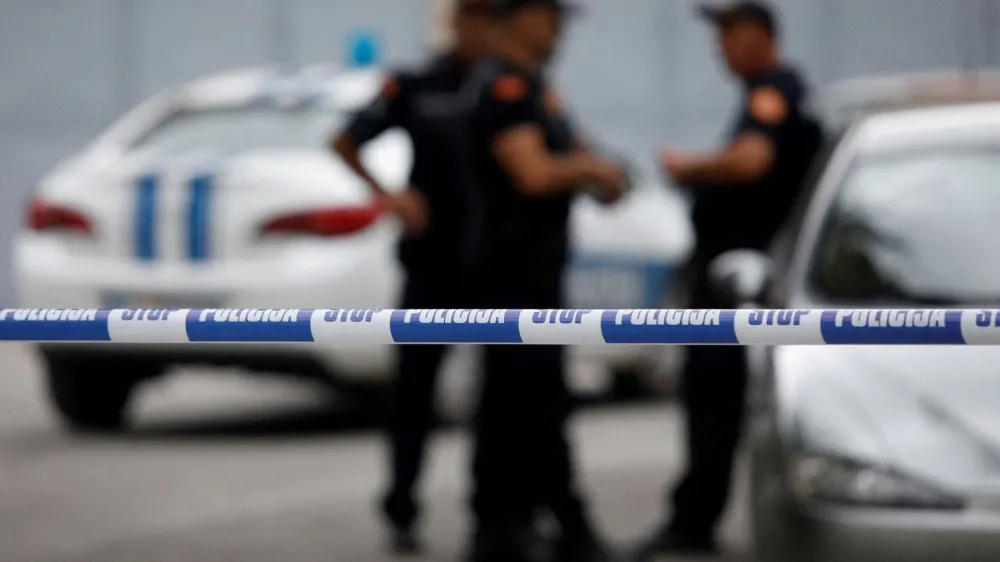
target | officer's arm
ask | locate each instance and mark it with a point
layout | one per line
(554, 103)
(745, 160)
(384, 113)
(513, 120)
(522, 153)
(751, 155)
(580, 143)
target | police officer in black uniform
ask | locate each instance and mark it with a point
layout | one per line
(742, 195)
(433, 211)
(528, 165)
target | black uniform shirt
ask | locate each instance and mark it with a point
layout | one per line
(522, 240)
(749, 215)
(423, 103)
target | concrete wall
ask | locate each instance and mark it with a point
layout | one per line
(640, 73)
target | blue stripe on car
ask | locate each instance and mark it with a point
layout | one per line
(145, 217)
(198, 217)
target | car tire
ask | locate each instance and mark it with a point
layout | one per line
(91, 396)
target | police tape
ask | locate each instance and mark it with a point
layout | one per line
(506, 326)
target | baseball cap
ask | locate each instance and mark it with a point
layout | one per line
(485, 6)
(505, 7)
(741, 10)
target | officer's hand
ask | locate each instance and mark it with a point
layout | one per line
(608, 178)
(411, 208)
(679, 166)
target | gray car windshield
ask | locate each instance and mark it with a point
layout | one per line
(914, 228)
(231, 129)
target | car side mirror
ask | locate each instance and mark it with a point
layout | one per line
(741, 276)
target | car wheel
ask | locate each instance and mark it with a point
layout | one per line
(91, 396)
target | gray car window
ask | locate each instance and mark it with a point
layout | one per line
(242, 128)
(917, 227)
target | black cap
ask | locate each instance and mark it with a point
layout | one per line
(506, 7)
(742, 10)
(485, 6)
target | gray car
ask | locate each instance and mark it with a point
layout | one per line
(882, 453)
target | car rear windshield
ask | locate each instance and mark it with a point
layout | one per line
(242, 128)
(921, 227)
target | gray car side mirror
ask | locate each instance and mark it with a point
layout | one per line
(741, 276)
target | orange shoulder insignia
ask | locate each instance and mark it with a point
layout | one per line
(768, 105)
(509, 87)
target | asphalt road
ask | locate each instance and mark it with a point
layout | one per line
(224, 468)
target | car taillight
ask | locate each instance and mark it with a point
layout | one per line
(43, 216)
(323, 222)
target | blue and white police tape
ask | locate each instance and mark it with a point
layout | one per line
(506, 326)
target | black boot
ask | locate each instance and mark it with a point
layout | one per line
(578, 540)
(505, 543)
(399, 516)
(404, 542)
(582, 545)
(665, 541)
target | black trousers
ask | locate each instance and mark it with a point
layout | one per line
(713, 391)
(523, 462)
(411, 398)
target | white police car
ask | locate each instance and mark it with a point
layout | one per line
(223, 193)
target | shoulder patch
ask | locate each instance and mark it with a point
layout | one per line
(509, 87)
(768, 105)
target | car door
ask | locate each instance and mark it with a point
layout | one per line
(760, 393)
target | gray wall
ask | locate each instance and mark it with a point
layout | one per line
(642, 73)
